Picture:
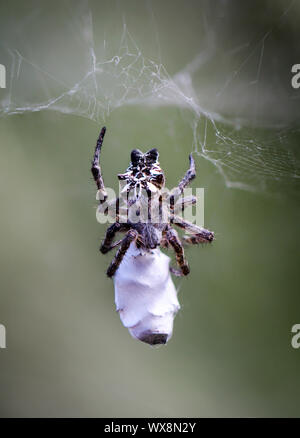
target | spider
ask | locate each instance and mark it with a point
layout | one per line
(145, 173)
(145, 295)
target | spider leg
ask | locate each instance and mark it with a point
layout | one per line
(177, 191)
(131, 235)
(197, 234)
(173, 239)
(96, 169)
(182, 203)
(107, 244)
(189, 176)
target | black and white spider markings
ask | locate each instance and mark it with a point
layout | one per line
(145, 296)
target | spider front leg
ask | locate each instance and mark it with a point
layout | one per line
(96, 169)
(177, 191)
(125, 243)
(173, 239)
(189, 176)
(107, 244)
(197, 234)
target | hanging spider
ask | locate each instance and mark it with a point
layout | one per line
(145, 295)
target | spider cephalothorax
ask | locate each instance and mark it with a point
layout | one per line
(144, 172)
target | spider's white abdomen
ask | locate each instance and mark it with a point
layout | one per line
(145, 295)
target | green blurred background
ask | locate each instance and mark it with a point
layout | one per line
(67, 352)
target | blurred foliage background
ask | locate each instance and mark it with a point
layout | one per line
(67, 352)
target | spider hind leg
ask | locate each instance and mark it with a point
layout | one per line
(111, 231)
(174, 241)
(131, 235)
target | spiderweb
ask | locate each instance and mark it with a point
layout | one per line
(243, 112)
